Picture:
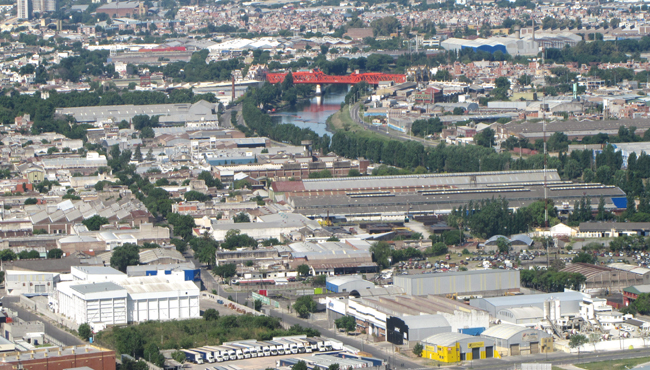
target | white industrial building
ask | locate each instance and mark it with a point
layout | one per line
(98, 304)
(127, 300)
(159, 298)
(29, 282)
(96, 273)
(265, 227)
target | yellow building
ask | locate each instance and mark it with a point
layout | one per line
(35, 175)
(456, 347)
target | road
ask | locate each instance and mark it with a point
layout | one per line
(50, 329)
(225, 117)
(354, 113)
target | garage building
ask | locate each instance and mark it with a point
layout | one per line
(455, 347)
(348, 284)
(157, 298)
(97, 304)
(513, 340)
(475, 282)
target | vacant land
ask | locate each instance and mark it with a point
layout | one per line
(615, 364)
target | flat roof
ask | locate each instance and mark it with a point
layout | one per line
(529, 299)
(96, 288)
(98, 270)
(459, 273)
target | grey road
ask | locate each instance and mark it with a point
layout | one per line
(50, 329)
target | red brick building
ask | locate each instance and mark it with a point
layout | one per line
(55, 358)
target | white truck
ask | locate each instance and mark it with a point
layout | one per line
(266, 349)
(245, 350)
(192, 356)
(279, 347)
(299, 345)
(235, 352)
(289, 346)
(206, 353)
(216, 354)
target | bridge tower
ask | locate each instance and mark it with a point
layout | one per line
(319, 89)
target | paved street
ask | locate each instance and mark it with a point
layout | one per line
(50, 329)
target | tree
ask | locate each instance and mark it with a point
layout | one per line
(29, 201)
(417, 349)
(207, 254)
(183, 225)
(347, 323)
(503, 245)
(210, 181)
(319, 280)
(485, 138)
(211, 314)
(150, 156)
(234, 239)
(303, 270)
(194, 195)
(137, 155)
(304, 305)
(29, 254)
(179, 356)
(300, 365)
(333, 367)
(436, 249)
(225, 270)
(95, 223)
(642, 303)
(577, 340)
(380, 253)
(7, 255)
(258, 305)
(147, 133)
(125, 255)
(583, 257)
(354, 173)
(55, 253)
(241, 217)
(84, 331)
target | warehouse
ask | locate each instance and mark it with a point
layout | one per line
(388, 317)
(30, 283)
(475, 282)
(455, 347)
(569, 302)
(401, 330)
(391, 197)
(157, 298)
(477, 45)
(521, 315)
(98, 304)
(514, 340)
(352, 284)
(603, 278)
(631, 293)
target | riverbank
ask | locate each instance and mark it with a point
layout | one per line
(341, 120)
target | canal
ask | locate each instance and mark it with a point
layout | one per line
(314, 113)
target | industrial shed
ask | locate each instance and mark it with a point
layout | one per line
(352, 284)
(475, 282)
(94, 303)
(157, 298)
(603, 277)
(455, 347)
(569, 302)
(415, 328)
(514, 340)
(521, 315)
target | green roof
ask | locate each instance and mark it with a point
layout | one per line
(638, 289)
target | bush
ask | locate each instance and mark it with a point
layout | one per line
(211, 314)
(348, 323)
(417, 350)
(304, 306)
(84, 331)
(178, 356)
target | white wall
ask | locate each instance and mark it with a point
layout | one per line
(167, 308)
(462, 320)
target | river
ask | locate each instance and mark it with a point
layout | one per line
(311, 114)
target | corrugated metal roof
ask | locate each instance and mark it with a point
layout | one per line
(447, 339)
(425, 321)
(503, 331)
(530, 299)
(521, 313)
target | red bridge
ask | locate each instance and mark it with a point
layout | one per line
(318, 77)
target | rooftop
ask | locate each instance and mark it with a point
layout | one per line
(503, 331)
(447, 339)
(96, 288)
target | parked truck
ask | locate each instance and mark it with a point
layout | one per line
(235, 352)
(192, 356)
(245, 350)
(206, 354)
(218, 354)
(279, 348)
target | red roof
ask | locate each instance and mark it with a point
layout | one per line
(287, 186)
